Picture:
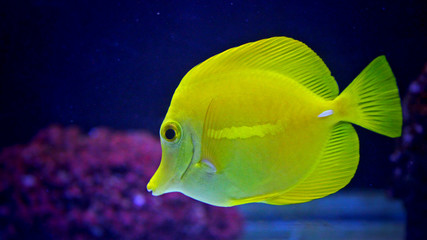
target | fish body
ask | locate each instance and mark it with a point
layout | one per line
(263, 122)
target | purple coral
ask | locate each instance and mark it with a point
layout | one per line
(410, 159)
(68, 185)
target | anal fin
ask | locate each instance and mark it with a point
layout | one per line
(336, 167)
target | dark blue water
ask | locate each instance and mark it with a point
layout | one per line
(117, 63)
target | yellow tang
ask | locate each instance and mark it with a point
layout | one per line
(263, 122)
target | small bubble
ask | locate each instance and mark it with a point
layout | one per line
(28, 180)
(407, 138)
(158, 13)
(139, 200)
(414, 88)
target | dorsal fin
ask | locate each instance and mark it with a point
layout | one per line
(280, 55)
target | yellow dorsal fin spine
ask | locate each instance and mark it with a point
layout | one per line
(280, 55)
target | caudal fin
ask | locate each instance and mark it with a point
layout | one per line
(372, 100)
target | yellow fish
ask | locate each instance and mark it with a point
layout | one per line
(263, 122)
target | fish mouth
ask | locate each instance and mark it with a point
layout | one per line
(159, 184)
(192, 158)
(150, 187)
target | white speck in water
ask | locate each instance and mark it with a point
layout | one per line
(158, 13)
(407, 138)
(28, 180)
(418, 128)
(139, 200)
(414, 88)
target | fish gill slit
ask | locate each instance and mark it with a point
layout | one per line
(192, 158)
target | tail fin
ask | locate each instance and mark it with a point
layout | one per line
(372, 100)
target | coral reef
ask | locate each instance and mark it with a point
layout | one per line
(410, 159)
(68, 185)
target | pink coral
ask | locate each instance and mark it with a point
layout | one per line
(69, 185)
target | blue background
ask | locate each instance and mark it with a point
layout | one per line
(117, 63)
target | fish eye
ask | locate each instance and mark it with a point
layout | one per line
(171, 132)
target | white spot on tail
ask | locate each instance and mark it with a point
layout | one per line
(212, 167)
(326, 113)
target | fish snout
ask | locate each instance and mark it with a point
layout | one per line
(151, 187)
(154, 189)
(160, 183)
